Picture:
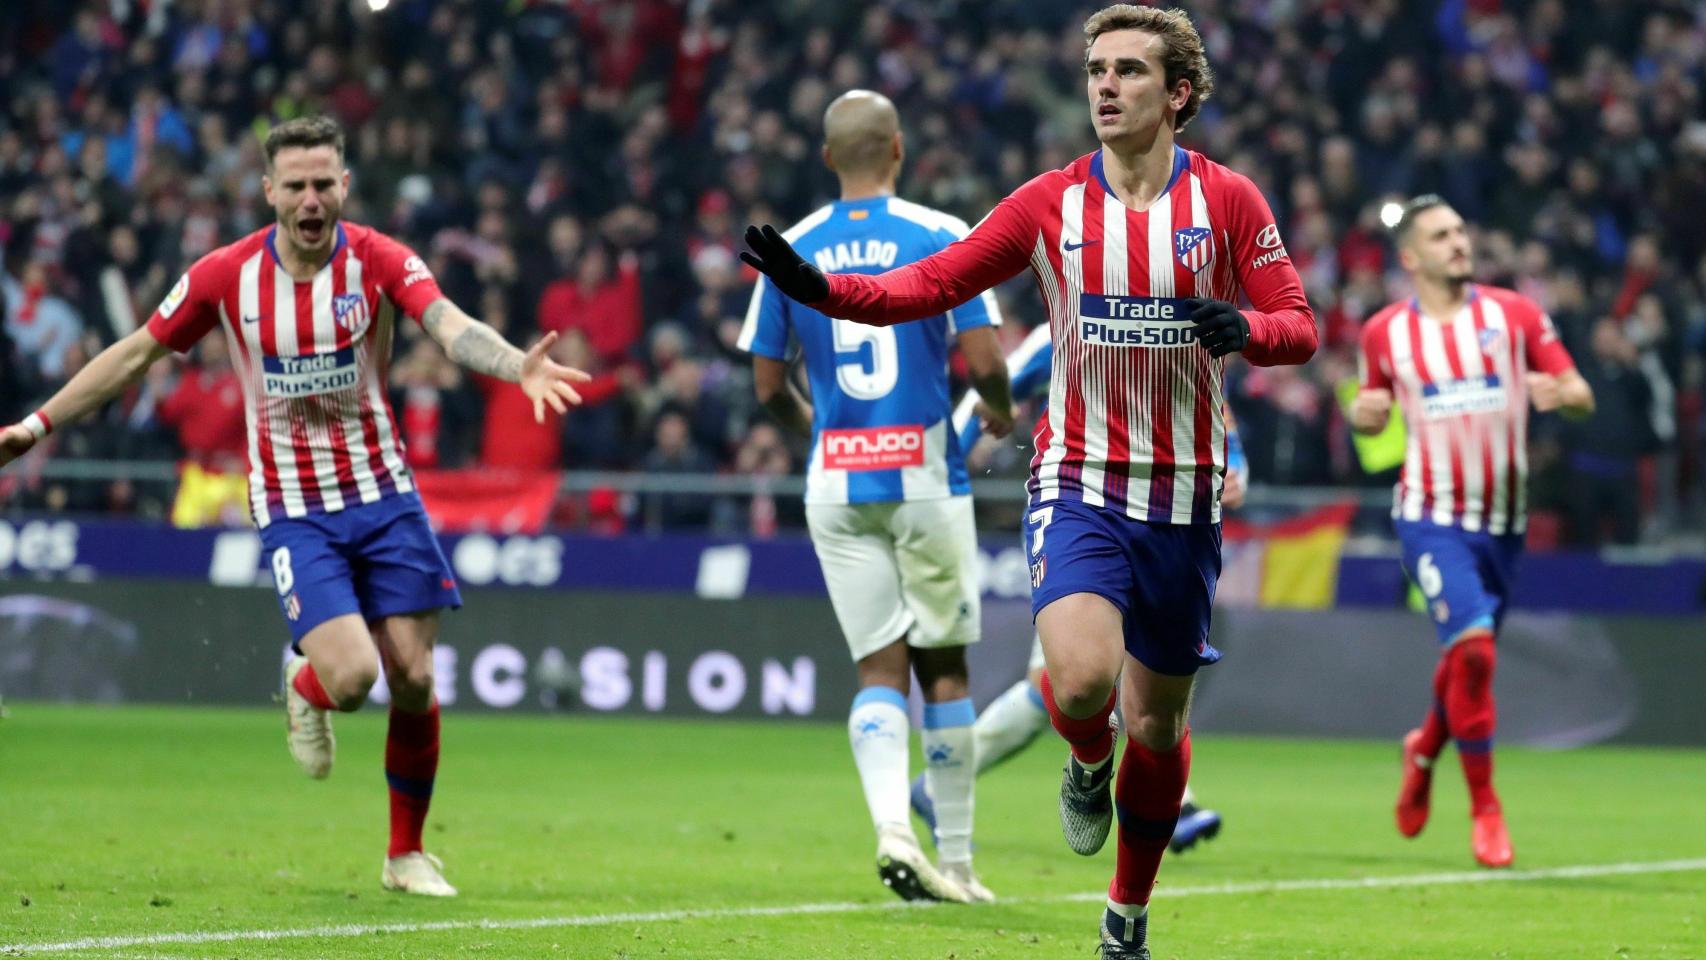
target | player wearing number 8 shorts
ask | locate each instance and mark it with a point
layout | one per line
(887, 496)
(1464, 361)
(309, 306)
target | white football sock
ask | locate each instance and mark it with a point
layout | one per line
(1011, 721)
(950, 774)
(881, 737)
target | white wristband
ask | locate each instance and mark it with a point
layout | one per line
(38, 426)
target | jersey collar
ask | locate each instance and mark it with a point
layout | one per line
(272, 246)
(1474, 295)
(1180, 161)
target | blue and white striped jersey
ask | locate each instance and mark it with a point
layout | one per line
(880, 402)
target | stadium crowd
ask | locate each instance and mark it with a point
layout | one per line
(586, 167)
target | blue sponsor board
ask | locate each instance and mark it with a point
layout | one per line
(721, 567)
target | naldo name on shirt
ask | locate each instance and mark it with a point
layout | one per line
(869, 253)
(1118, 321)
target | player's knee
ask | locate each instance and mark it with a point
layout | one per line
(410, 681)
(348, 685)
(1080, 692)
(1156, 731)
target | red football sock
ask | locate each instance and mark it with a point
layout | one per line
(1469, 712)
(411, 762)
(1434, 728)
(307, 683)
(1091, 739)
(1148, 791)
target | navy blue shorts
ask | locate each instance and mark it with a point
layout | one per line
(1161, 575)
(1466, 577)
(377, 559)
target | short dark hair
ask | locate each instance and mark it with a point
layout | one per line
(1184, 55)
(317, 130)
(1413, 208)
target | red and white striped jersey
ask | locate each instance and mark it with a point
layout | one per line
(312, 360)
(1134, 418)
(1462, 387)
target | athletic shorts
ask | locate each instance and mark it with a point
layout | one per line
(1465, 577)
(899, 570)
(1161, 576)
(376, 559)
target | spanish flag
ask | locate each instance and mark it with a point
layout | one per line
(1292, 564)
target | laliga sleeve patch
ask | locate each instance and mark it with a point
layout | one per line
(175, 298)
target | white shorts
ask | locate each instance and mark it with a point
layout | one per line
(899, 570)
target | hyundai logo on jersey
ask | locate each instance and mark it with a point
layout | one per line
(1193, 248)
(313, 374)
(1133, 321)
(350, 311)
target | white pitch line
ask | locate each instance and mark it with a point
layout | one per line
(1577, 872)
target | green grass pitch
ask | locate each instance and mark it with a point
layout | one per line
(574, 836)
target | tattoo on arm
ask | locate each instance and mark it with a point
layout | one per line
(480, 349)
(433, 316)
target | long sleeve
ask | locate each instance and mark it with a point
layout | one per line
(995, 250)
(1282, 326)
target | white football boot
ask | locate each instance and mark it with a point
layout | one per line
(308, 728)
(905, 869)
(963, 875)
(417, 873)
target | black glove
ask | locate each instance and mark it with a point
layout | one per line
(1219, 326)
(786, 269)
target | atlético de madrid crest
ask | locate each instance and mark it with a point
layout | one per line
(1194, 247)
(350, 311)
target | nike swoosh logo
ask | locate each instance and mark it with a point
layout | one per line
(251, 319)
(1069, 246)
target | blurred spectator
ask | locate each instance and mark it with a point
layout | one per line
(673, 452)
(1605, 448)
(41, 326)
(437, 414)
(590, 165)
(601, 300)
(206, 410)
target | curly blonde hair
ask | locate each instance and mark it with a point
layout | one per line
(1184, 56)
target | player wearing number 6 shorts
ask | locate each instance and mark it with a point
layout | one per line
(887, 497)
(1464, 361)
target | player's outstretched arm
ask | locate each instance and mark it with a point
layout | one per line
(772, 255)
(778, 395)
(483, 350)
(995, 250)
(109, 374)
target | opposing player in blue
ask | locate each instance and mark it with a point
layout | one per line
(1012, 720)
(888, 501)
